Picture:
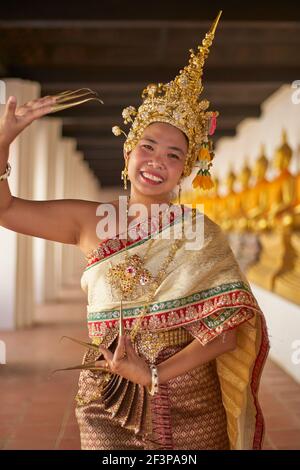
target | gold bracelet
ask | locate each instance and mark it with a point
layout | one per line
(7, 172)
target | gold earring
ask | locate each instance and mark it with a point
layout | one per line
(124, 174)
(179, 194)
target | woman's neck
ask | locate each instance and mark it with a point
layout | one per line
(147, 201)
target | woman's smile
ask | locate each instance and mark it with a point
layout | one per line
(151, 178)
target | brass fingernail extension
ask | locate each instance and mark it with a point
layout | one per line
(74, 95)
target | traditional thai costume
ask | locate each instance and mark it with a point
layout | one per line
(202, 295)
(214, 406)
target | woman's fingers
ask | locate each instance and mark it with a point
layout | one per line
(33, 105)
(37, 103)
(10, 107)
(108, 355)
(124, 348)
(120, 352)
(129, 346)
(37, 112)
(16, 119)
(103, 364)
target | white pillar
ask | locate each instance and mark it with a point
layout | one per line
(69, 190)
(16, 267)
(46, 155)
(77, 256)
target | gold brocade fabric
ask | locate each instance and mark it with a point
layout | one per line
(204, 294)
(187, 413)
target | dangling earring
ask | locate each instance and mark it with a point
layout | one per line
(179, 194)
(182, 210)
(124, 173)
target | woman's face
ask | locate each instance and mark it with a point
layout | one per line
(160, 153)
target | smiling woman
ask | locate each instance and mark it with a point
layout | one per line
(156, 164)
(177, 339)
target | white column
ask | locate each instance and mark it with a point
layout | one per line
(46, 153)
(78, 181)
(69, 190)
(16, 267)
(62, 149)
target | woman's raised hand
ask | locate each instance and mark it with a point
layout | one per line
(16, 118)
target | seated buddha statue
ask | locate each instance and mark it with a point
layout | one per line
(288, 281)
(241, 223)
(258, 196)
(212, 202)
(276, 256)
(296, 208)
(282, 188)
(230, 203)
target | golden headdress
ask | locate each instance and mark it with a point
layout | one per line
(178, 103)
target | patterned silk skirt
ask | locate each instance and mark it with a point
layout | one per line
(187, 413)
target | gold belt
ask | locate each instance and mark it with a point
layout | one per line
(150, 343)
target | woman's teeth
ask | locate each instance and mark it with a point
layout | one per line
(148, 176)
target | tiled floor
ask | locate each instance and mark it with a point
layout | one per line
(37, 408)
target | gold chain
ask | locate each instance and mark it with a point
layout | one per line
(154, 286)
(150, 296)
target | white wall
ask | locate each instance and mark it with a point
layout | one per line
(283, 322)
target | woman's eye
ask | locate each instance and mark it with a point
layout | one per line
(174, 155)
(148, 146)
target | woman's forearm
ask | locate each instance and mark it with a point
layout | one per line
(4, 152)
(194, 355)
(5, 194)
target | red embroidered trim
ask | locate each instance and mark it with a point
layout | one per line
(162, 436)
(161, 420)
(180, 316)
(256, 375)
(107, 248)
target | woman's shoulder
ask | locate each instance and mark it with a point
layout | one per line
(91, 216)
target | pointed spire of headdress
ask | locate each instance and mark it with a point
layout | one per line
(177, 103)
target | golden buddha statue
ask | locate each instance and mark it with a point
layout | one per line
(288, 281)
(230, 203)
(296, 208)
(258, 196)
(241, 223)
(212, 202)
(276, 253)
(282, 188)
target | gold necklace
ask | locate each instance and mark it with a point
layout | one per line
(130, 276)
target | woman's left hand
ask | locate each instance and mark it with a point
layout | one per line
(126, 362)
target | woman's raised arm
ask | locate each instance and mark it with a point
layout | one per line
(56, 220)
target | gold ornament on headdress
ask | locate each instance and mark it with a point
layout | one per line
(177, 103)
